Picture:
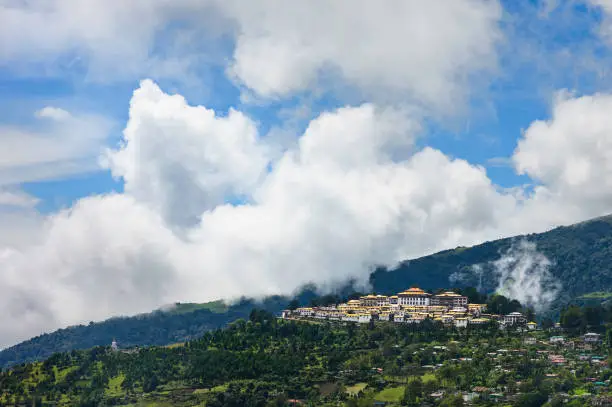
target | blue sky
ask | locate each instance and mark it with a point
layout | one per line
(494, 121)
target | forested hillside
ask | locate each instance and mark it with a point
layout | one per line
(265, 362)
(177, 324)
(581, 257)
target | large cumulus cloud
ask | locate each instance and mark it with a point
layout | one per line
(353, 192)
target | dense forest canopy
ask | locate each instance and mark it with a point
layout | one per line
(267, 362)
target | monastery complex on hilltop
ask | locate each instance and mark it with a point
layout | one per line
(411, 306)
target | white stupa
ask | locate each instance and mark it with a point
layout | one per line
(114, 345)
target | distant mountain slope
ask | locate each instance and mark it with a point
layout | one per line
(581, 257)
(178, 323)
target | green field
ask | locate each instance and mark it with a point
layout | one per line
(390, 395)
(218, 307)
(599, 295)
(356, 388)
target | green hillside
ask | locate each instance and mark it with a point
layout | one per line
(581, 257)
(265, 362)
(176, 324)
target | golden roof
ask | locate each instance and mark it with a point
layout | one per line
(413, 290)
(448, 294)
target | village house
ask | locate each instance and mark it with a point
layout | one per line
(591, 337)
(529, 340)
(556, 340)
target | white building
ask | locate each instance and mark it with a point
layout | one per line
(414, 296)
(591, 337)
(461, 322)
(514, 318)
(529, 340)
(382, 300)
(384, 316)
(350, 318)
(305, 312)
(398, 317)
(364, 318)
(368, 301)
(449, 299)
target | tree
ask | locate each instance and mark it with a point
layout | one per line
(534, 399)
(529, 314)
(573, 319)
(593, 316)
(414, 390)
(452, 400)
(547, 323)
(150, 383)
(293, 304)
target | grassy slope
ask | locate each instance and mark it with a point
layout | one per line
(217, 307)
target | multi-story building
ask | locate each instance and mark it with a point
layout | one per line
(477, 309)
(514, 318)
(449, 299)
(382, 301)
(411, 306)
(374, 300)
(414, 296)
(368, 301)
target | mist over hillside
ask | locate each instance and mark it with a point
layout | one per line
(544, 271)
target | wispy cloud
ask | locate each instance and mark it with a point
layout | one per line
(56, 144)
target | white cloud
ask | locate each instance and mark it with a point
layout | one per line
(606, 24)
(103, 35)
(58, 144)
(426, 50)
(392, 49)
(570, 155)
(14, 197)
(334, 205)
(524, 274)
(183, 160)
(54, 113)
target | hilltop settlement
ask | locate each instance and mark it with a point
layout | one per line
(411, 306)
